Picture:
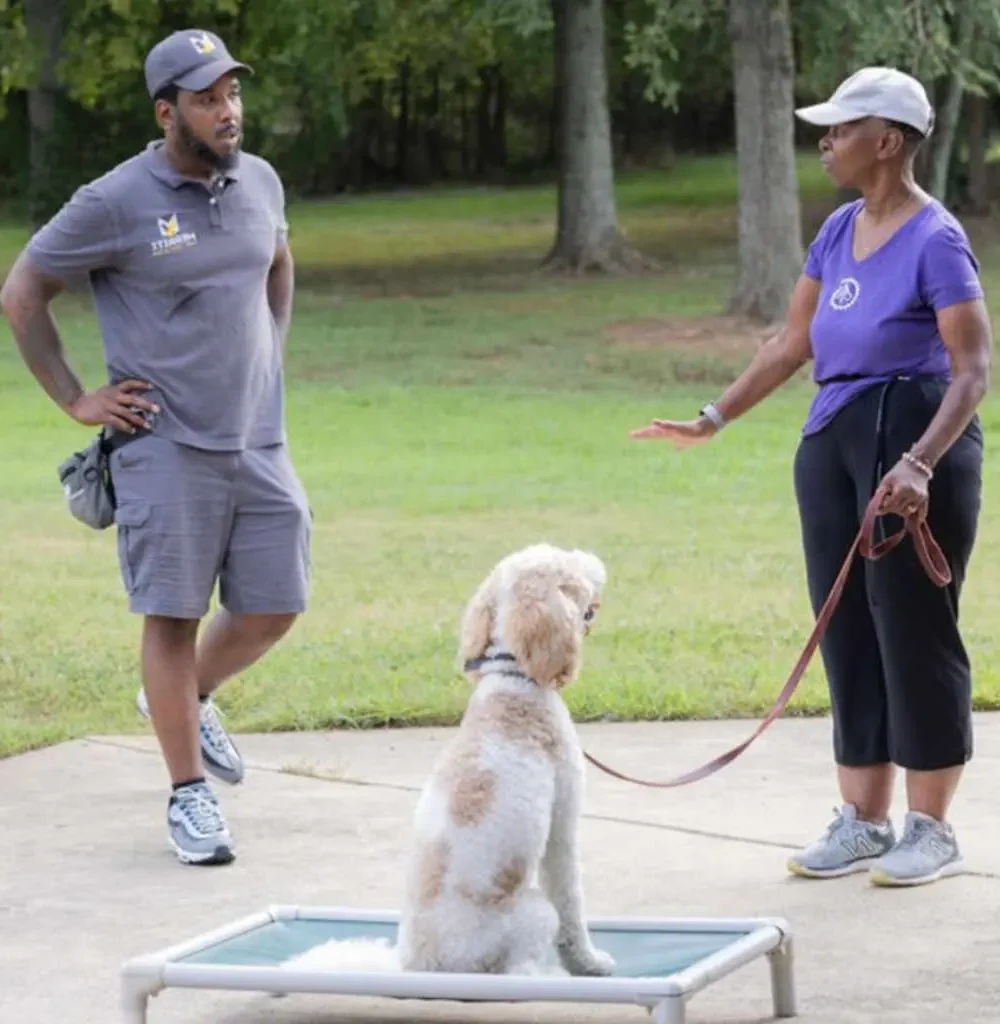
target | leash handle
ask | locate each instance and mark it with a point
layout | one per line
(935, 565)
(928, 551)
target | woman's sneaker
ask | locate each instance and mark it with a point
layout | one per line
(196, 829)
(927, 851)
(848, 845)
(218, 752)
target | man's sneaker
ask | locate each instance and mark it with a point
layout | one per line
(927, 851)
(197, 830)
(848, 845)
(218, 752)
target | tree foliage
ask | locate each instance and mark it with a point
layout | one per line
(361, 93)
(919, 36)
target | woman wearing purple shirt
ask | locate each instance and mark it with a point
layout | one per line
(890, 309)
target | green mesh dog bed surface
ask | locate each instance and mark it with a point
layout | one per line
(659, 963)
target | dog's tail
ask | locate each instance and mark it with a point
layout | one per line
(357, 956)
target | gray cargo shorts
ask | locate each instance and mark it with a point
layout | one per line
(189, 519)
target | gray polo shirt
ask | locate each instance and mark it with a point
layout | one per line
(179, 276)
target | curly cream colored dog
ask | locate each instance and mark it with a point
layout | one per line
(494, 884)
(496, 876)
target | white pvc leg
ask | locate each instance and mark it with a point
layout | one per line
(134, 1002)
(134, 1010)
(782, 962)
(669, 1011)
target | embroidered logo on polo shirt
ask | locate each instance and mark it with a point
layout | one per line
(203, 44)
(171, 237)
(845, 294)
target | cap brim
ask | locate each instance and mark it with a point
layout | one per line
(208, 74)
(825, 114)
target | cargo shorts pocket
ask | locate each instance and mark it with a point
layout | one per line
(131, 517)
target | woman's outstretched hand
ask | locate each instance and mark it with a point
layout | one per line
(683, 433)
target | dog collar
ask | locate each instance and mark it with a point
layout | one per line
(473, 663)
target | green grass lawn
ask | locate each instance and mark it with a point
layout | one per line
(447, 238)
(442, 415)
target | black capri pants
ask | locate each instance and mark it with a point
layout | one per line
(897, 667)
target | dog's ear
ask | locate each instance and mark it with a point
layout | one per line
(477, 623)
(592, 569)
(541, 626)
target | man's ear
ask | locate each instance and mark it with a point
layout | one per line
(165, 113)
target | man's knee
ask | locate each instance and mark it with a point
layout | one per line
(268, 629)
(170, 632)
(167, 647)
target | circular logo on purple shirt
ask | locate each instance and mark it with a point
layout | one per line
(845, 294)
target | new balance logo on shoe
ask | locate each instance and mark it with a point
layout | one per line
(861, 845)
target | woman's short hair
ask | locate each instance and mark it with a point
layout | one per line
(912, 139)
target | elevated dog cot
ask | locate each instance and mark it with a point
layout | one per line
(660, 963)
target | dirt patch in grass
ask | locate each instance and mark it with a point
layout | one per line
(722, 337)
(498, 357)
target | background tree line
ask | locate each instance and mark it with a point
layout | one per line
(369, 94)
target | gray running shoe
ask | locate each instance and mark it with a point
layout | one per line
(927, 851)
(218, 752)
(848, 845)
(197, 830)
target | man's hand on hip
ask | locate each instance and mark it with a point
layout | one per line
(114, 405)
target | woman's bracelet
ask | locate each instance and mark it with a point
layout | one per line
(920, 464)
(711, 413)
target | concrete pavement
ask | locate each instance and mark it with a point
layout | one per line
(86, 879)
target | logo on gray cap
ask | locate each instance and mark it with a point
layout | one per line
(191, 59)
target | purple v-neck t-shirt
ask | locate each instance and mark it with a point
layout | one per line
(876, 317)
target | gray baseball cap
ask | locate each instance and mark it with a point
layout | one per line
(191, 59)
(875, 92)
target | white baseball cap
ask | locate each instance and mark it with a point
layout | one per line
(875, 92)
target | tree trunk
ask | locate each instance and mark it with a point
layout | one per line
(498, 127)
(403, 123)
(44, 22)
(556, 101)
(483, 121)
(381, 129)
(464, 119)
(978, 186)
(491, 121)
(770, 223)
(433, 135)
(587, 234)
(922, 164)
(947, 128)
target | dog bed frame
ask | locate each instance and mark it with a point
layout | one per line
(660, 963)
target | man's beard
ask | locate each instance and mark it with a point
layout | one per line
(202, 151)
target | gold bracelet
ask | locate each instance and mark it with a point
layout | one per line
(920, 464)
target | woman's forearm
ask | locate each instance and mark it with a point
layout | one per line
(774, 363)
(966, 331)
(957, 408)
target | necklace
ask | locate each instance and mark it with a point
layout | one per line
(879, 238)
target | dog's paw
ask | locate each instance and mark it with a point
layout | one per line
(601, 963)
(590, 963)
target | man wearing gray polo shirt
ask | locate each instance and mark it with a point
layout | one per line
(185, 248)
